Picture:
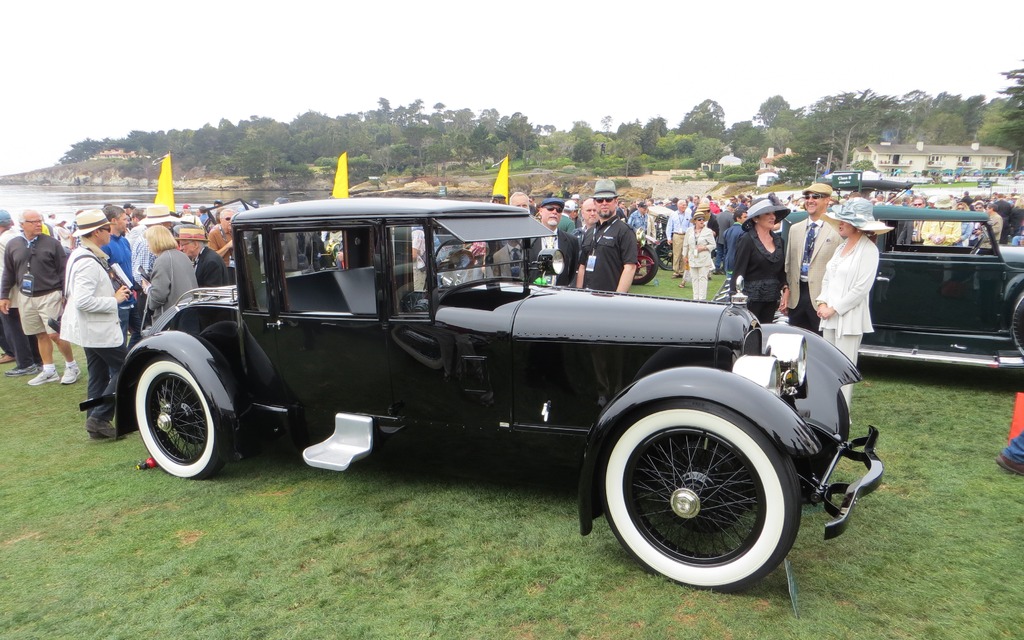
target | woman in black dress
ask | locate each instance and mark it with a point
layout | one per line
(761, 259)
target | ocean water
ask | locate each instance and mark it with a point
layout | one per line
(63, 202)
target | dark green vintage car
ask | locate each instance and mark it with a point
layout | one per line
(962, 303)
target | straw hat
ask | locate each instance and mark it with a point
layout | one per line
(90, 220)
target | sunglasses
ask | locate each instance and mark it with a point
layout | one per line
(604, 200)
(815, 196)
(552, 208)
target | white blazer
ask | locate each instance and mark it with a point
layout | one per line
(846, 288)
(90, 315)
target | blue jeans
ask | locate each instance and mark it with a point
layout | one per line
(104, 366)
(1015, 451)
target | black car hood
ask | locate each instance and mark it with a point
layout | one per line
(560, 314)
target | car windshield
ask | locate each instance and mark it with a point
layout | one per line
(459, 262)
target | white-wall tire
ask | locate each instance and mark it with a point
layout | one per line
(175, 421)
(745, 490)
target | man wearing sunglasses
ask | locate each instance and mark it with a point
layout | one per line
(550, 214)
(608, 256)
(809, 246)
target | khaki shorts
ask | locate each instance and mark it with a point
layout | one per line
(37, 310)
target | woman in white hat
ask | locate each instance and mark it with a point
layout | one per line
(843, 302)
(90, 315)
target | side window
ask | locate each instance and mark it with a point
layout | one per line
(934, 236)
(255, 271)
(328, 271)
(407, 248)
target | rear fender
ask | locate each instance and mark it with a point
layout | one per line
(770, 413)
(208, 366)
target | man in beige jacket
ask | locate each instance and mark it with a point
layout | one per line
(809, 246)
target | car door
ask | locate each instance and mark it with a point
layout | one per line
(943, 289)
(323, 333)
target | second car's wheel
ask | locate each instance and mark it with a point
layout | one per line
(1017, 327)
(664, 252)
(646, 266)
(700, 495)
(176, 422)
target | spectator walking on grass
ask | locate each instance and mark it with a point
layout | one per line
(34, 272)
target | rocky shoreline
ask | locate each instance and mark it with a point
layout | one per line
(95, 174)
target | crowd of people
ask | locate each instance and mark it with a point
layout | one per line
(97, 283)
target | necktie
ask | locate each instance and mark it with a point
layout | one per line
(812, 232)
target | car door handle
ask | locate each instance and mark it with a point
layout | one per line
(274, 325)
(881, 279)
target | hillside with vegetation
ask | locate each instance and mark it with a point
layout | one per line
(439, 144)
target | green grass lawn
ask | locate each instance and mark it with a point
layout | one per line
(271, 548)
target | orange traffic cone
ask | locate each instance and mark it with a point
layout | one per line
(1017, 425)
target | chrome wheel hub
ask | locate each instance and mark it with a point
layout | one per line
(163, 420)
(685, 503)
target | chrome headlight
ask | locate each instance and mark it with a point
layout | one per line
(791, 352)
(761, 370)
(551, 261)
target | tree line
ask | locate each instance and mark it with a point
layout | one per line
(414, 140)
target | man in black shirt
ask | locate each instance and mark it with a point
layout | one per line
(608, 257)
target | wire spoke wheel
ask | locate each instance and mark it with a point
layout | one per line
(701, 496)
(180, 420)
(176, 422)
(714, 476)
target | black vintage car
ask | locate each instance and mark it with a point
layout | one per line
(360, 324)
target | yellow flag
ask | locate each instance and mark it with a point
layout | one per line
(501, 183)
(341, 177)
(165, 185)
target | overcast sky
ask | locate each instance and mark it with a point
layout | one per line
(68, 68)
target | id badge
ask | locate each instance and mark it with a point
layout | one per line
(591, 262)
(26, 284)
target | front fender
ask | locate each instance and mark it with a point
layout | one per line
(208, 366)
(770, 413)
(828, 369)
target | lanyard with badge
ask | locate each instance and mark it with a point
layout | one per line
(592, 258)
(27, 279)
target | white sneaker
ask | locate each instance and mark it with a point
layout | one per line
(71, 375)
(44, 377)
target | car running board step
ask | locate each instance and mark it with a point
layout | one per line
(352, 440)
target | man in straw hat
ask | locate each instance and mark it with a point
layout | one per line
(210, 269)
(809, 246)
(91, 316)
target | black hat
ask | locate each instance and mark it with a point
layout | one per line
(555, 201)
